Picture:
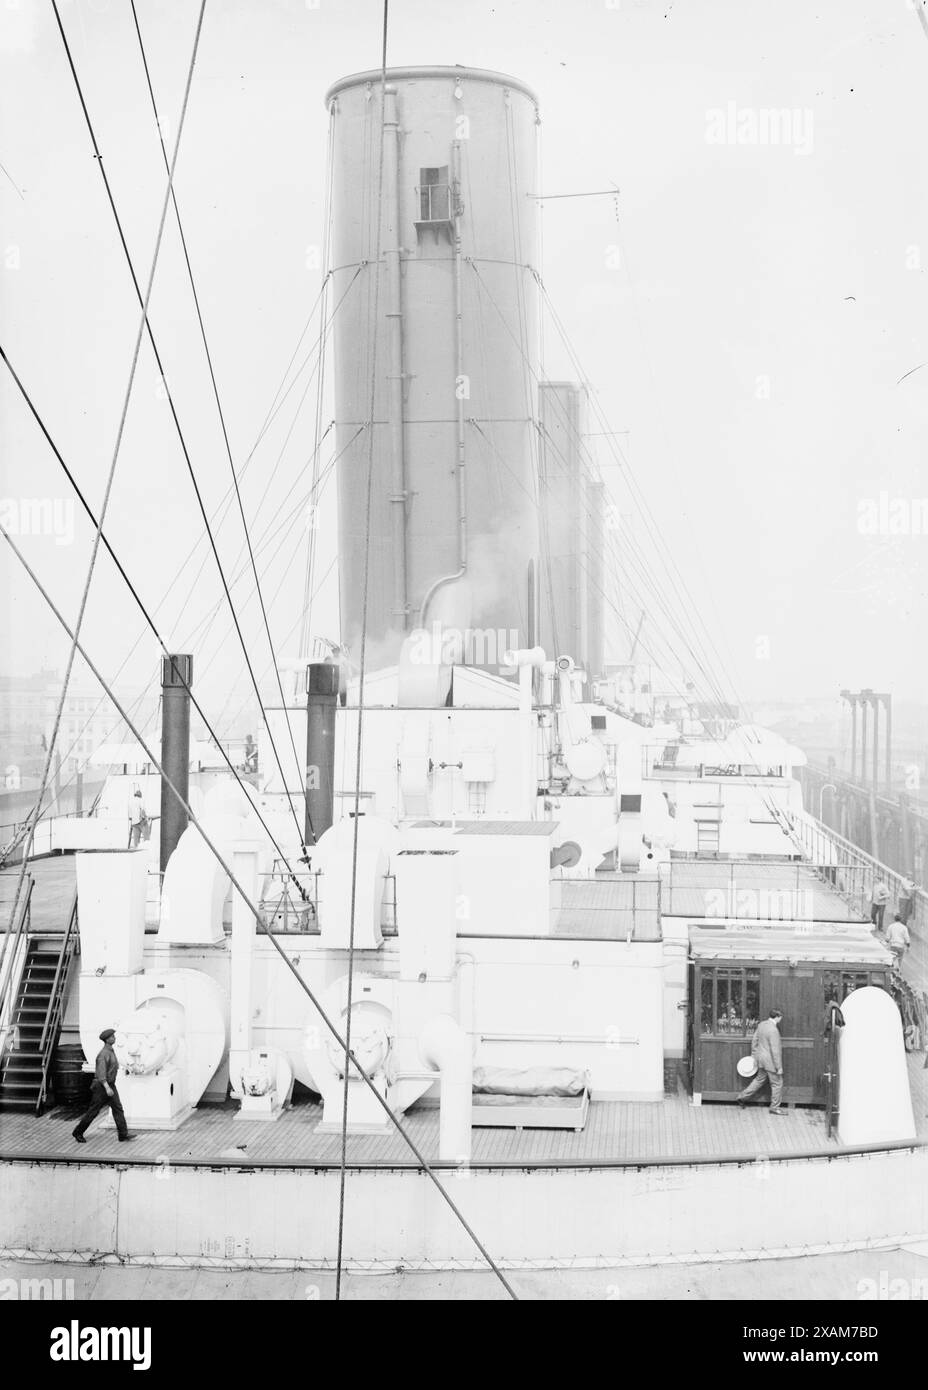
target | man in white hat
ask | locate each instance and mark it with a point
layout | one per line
(767, 1051)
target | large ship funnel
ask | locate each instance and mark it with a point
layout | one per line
(438, 312)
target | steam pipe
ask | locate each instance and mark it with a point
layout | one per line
(391, 255)
(176, 679)
(454, 193)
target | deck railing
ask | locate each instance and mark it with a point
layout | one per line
(12, 949)
(289, 905)
(858, 872)
(784, 890)
(56, 1003)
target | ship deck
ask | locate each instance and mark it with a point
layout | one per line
(619, 1133)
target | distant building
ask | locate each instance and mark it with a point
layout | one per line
(28, 705)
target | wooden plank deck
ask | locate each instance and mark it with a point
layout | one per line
(55, 882)
(622, 1131)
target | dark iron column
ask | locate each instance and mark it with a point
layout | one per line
(176, 679)
(322, 678)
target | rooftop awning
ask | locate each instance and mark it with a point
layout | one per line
(838, 942)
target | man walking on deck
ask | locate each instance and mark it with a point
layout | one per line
(898, 940)
(103, 1092)
(767, 1051)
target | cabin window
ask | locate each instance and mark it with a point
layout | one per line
(730, 1002)
(839, 983)
(434, 195)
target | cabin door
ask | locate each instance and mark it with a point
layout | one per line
(797, 992)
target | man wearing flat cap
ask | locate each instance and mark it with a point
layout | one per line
(103, 1092)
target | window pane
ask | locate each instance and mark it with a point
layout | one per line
(852, 981)
(706, 1013)
(751, 1000)
(731, 1014)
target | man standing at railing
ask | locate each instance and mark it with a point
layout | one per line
(136, 817)
(907, 899)
(103, 1092)
(878, 900)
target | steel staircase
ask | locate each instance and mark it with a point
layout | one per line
(35, 1014)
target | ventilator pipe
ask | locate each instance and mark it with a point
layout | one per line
(444, 1045)
(565, 669)
(566, 676)
(546, 694)
(525, 659)
(525, 656)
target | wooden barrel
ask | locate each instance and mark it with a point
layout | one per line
(71, 1085)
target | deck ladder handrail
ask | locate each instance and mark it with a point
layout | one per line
(17, 928)
(51, 1029)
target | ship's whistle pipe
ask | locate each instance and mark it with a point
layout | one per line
(391, 255)
(176, 679)
(445, 1046)
(461, 450)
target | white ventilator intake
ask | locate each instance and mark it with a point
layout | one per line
(525, 659)
(445, 1046)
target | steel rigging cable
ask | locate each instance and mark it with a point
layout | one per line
(373, 335)
(134, 592)
(222, 421)
(377, 221)
(170, 400)
(144, 302)
(261, 924)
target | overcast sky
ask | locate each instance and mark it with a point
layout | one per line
(748, 320)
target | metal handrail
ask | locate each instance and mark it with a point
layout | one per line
(11, 941)
(56, 1002)
(865, 868)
